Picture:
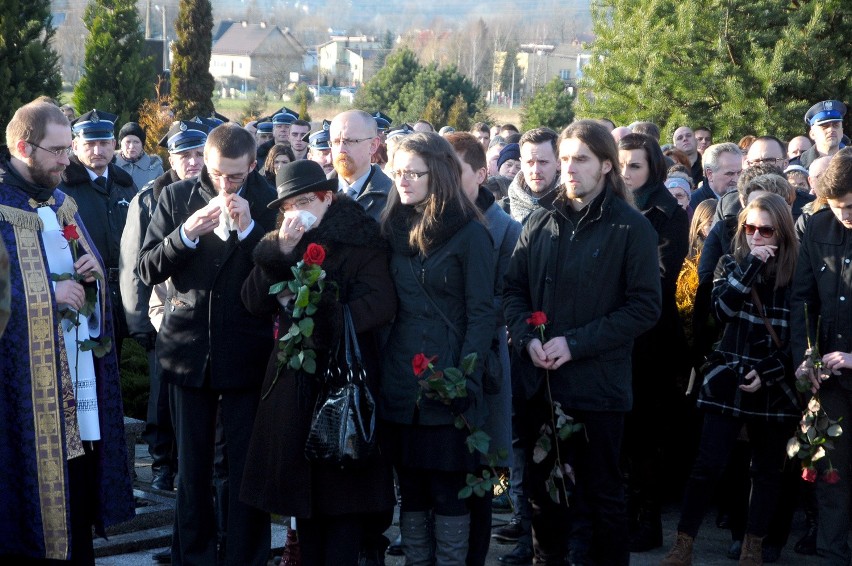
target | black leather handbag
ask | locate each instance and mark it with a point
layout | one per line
(343, 430)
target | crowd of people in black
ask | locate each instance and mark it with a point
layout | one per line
(596, 323)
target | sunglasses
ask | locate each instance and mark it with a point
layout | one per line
(764, 231)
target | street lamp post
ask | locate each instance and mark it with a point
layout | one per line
(162, 10)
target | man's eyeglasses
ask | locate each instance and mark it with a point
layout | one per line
(346, 142)
(408, 175)
(766, 161)
(66, 151)
(764, 231)
(230, 178)
(299, 203)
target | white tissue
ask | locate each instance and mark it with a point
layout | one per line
(306, 218)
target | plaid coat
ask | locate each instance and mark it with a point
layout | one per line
(747, 345)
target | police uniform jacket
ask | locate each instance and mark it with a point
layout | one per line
(205, 322)
(598, 282)
(104, 210)
(135, 295)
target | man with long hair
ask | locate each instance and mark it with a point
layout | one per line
(591, 244)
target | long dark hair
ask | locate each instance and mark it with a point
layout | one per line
(602, 144)
(444, 189)
(653, 155)
(783, 264)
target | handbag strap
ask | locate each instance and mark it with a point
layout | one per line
(762, 314)
(353, 351)
(432, 301)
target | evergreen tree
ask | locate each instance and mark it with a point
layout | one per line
(433, 113)
(509, 71)
(117, 76)
(406, 90)
(738, 66)
(192, 83)
(457, 116)
(29, 67)
(382, 92)
(551, 106)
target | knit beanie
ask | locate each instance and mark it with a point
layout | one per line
(131, 129)
(511, 151)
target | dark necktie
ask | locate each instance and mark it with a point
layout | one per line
(101, 182)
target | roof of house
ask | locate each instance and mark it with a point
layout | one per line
(242, 38)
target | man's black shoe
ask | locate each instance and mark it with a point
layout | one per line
(521, 554)
(164, 557)
(164, 481)
(510, 532)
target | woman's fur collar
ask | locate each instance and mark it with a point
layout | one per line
(345, 224)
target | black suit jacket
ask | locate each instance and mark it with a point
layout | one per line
(205, 321)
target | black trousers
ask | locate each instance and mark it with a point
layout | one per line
(767, 442)
(248, 529)
(159, 432)
(331, 541)
(595, 524)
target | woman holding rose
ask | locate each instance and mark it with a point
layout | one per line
(443, 270)
(333, 505)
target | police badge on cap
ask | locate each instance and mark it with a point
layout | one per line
(824, 112)
(285, 116)
(94, 125)
(185, 135)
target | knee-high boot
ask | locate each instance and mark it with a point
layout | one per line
(416, 531)
(451, 539)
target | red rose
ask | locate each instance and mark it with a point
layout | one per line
(538, 318)
(420, 363)
(832, 476)
(809, 474)
(314, 255)
(70, 233)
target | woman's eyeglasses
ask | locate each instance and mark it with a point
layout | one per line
(299, 203)
(408, 175)
(764, 231)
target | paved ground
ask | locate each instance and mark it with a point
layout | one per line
(711, 544)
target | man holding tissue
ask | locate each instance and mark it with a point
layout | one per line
(210, 349)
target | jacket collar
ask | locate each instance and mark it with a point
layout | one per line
(76, 174)
(657, 196)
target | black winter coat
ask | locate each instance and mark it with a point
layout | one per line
(277, 476)
(104, 211)
(459, 277)
(205, 321)
(599, 284)
(666, 340)
(823, 280)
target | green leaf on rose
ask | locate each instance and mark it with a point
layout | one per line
(468, 363)
(478, 441)
(302, 298)
(277, 288)
(306, 326)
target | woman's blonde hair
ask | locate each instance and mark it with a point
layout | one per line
(702, 215)
(783, 264)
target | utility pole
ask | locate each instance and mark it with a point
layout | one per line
(148, 20)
